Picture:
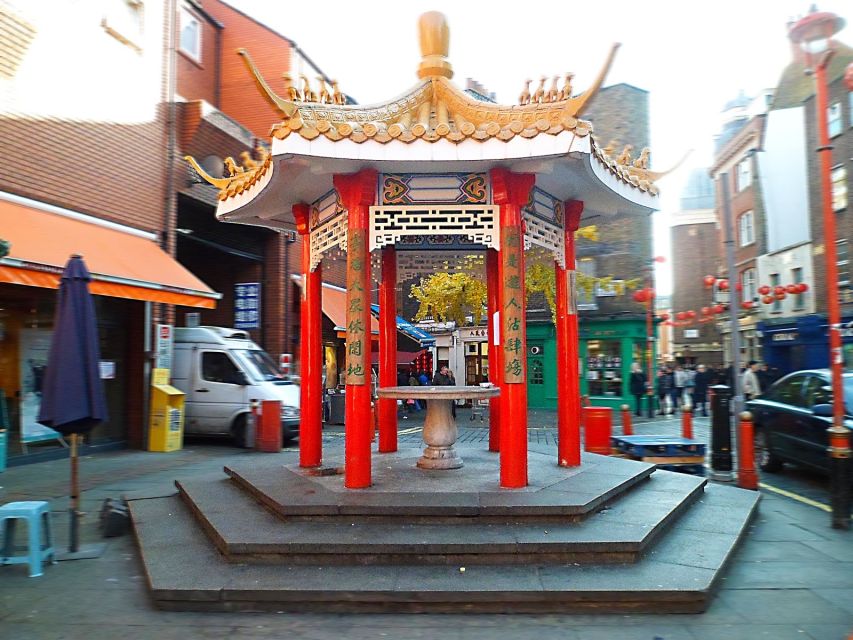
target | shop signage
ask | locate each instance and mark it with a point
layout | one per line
(691, 333)
(247, 305)
(603, 362)
(163, 347)
(513, 306)
(358, 343)
(789, 336)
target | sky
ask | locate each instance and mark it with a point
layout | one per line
(691, 56)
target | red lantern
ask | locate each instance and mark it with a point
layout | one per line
(781, 296)
(664, 317)
(739, 286)
(681, 315)
(691, 314)
(778, 289)
(668, 323)
(792, 288)
(650, 293)
(764, 290)
(706, 311)
(709, 281)
(723, 285)
(802, 287)
(768, 299)
(746, 304)
(719, 308)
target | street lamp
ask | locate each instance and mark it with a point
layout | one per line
(813, 33)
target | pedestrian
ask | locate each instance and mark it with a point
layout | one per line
(637, 386)
(700, 389)
(412, 403)
(750, 383)
(664, 387)
(679, 377)
(765, 377)
(444, 378)
(689, 386)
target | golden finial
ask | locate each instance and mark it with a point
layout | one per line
(291, 92)
(434, 36)
(307, 94)
(539, 94)
(247, 161)
(323, 95)
(642, 162)
(553, 93)
(524, 98)
(232, 167)
(337, 96)
(625, 157)
(566, 92)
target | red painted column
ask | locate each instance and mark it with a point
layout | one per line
(493, 286)
(512, 191)
(311, 350)
(568, 376)
(388, 349)
(357, 193)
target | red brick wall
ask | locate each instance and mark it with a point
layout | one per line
(197, 80)
(271, 53)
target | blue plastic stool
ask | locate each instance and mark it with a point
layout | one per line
(34, 512)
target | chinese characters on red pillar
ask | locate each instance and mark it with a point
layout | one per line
(513, 306)
(357, 345)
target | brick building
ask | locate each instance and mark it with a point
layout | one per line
(695, 254)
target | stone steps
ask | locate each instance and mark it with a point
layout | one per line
(244, 531)
(186, 571)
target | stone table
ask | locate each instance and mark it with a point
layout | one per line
(439, 425)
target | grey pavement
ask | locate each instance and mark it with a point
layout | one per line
(792, 577)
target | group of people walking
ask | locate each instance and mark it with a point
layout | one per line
(677, 386)
(443, 377)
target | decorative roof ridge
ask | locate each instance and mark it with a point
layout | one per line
(240, 177)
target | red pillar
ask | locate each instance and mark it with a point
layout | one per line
(357, 193)
(568, 376)
(311, 350)
(493, 285)
(388, 349)
(512, 191)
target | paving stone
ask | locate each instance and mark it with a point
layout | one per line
(782, 606)
(749, 632)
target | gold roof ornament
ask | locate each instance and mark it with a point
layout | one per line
(240, 176)
(434, 37)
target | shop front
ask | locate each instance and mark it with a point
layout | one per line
(607, 349)
(130, 272)
(799, 343)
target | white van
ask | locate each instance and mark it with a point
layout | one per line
(221, 370)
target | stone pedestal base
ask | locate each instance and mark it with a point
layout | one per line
(440, 458)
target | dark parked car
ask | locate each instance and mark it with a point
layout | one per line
(791, 419)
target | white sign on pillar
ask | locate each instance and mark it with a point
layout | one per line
(496, 328)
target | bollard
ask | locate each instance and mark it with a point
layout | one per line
(627, 427)
(721, 432)
(747, 478)
(268, 434)
(687, 423)
(598, 427)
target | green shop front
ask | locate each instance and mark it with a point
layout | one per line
(607, 349)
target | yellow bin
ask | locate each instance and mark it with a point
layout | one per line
(166, 429)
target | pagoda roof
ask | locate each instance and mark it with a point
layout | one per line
(434, 126)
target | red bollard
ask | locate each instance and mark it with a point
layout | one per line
(687, 423)
(268, 436)
(598, 427)
(627, 427)
(747, 478)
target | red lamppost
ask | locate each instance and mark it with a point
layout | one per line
(813, 33)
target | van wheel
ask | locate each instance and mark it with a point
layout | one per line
(238, 431)
(764, 456)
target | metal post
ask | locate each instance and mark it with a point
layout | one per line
(721, 433)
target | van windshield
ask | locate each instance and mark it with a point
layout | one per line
(259, 364)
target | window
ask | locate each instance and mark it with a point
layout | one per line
(833, 118)
(190, 42)
(799, 298)
(774, 282)
(747, 281)
(817, 391)
(604, 367)
(788, 392)
(838, 177)
(586, 296)
(747, 230)
(216, 366)
(743, 177)
(843, 258)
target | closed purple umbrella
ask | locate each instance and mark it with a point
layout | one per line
(73, 400)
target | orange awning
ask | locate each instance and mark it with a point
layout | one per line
(122, 264)
(335, 308)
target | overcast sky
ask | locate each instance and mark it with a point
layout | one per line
(691, 56)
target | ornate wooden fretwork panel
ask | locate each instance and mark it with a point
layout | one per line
(330, 234)
(392, 224)
(457, 188)
(546, 235)
(324, 208)
(416, 264)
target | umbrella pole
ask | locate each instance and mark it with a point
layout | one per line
(75, 497)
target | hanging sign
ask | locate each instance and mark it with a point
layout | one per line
(513, 307)
(247, 305)
(358, 342)
(163, 347)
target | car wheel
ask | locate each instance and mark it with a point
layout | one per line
(764, 456)
(238, 431)
(288, 433)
